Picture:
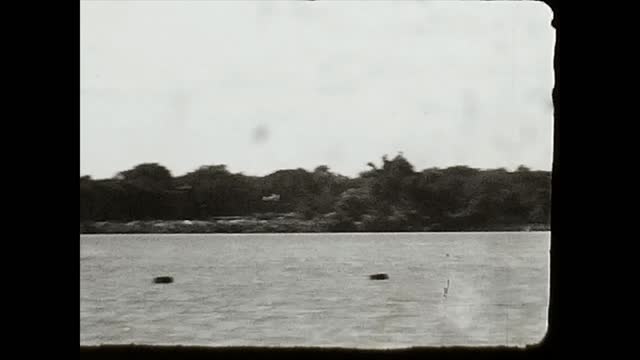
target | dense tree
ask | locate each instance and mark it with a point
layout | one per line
(150, 176)
(392, 196)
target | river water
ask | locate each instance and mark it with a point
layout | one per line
(314, 289)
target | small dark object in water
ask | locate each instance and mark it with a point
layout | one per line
(446, 290)
(379, 276)
(163, 280)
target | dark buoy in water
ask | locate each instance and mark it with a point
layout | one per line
(163, 280)
(379, 276)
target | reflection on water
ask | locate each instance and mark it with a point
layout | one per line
(314, 290)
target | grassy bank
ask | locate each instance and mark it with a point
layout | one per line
(278, 224)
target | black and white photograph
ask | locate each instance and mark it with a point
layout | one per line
(332, 174)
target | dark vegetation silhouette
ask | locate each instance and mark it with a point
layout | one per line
(390, 197)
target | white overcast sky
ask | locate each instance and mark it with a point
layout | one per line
(266, 85)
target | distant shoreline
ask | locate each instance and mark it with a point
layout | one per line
(284, 225)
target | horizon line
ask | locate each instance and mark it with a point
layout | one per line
(358, 174)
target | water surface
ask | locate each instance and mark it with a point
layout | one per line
(314, 290)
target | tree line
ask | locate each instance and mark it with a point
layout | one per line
(392, 196)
